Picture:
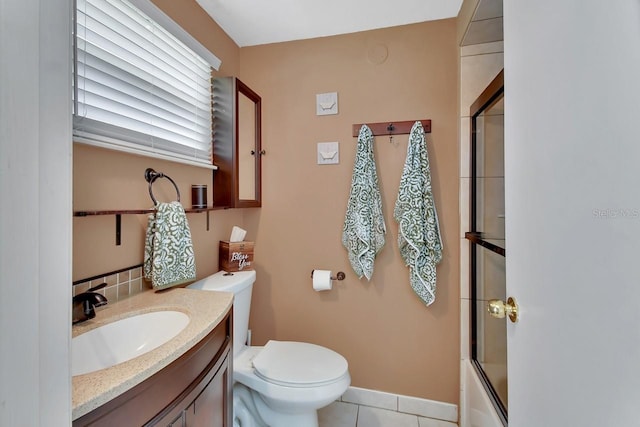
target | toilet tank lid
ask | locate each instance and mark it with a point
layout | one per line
(223, 281)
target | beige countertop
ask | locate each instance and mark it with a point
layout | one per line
(205, 309)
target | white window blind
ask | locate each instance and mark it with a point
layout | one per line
(138, 88)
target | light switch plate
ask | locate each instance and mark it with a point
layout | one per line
(326, 103)
(328, 153)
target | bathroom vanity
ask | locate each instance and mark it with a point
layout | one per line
(185, 382)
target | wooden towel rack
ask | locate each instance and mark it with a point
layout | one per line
(392, 128)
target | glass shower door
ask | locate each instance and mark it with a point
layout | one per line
(487, 238)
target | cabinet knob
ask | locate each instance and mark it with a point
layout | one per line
(262, 152)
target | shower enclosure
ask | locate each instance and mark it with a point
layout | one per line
(487, 243)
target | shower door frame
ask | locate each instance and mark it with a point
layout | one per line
(489, 96)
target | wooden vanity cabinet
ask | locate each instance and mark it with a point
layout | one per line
(194, 390)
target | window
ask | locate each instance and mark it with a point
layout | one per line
(138, 87)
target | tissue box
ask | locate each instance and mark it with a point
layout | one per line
(236, 256)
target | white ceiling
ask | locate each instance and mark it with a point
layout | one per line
(255, 22)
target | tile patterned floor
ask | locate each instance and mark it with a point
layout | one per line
(342, 414)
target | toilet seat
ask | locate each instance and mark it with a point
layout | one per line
(299, 364)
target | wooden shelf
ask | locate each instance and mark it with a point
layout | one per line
(118, 214)
(141, 211)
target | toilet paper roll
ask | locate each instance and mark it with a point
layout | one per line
(322, 280)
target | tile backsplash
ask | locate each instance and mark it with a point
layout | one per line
(121, 284)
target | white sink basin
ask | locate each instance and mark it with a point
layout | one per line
(124, 339)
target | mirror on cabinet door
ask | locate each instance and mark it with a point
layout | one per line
(237, 148)
(248, 146)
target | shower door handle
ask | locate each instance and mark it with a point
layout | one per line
(499, 309)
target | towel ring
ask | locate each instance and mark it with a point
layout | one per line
(150, 176)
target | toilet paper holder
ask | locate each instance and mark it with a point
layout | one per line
(339, 276)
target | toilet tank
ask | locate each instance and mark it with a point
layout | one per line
(241, 284)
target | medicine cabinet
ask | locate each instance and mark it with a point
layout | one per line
(237, 146)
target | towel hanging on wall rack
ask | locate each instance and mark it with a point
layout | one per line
(364, 227)
(150, 176)
(168, 251)
(419, 238)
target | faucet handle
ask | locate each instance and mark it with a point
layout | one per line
(88, 310)
(97, 287)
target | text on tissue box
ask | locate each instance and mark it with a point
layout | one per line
(236, 256)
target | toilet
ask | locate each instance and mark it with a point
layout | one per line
(280, 384)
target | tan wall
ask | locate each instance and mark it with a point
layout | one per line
(109, 180)
(391, 340)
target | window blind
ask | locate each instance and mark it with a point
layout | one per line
(137, 87)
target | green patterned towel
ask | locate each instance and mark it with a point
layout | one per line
(364, 228)
(419, 234)
(168, 250)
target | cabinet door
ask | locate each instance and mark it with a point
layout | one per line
(237, 144)
(249, 146)
(212, 407)
(178, 422)
(248, 149)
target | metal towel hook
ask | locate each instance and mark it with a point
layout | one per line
(150, 176)
(390, 129)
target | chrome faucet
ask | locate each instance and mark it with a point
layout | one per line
(84, 304)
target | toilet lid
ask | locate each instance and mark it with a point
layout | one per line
(297, 364)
